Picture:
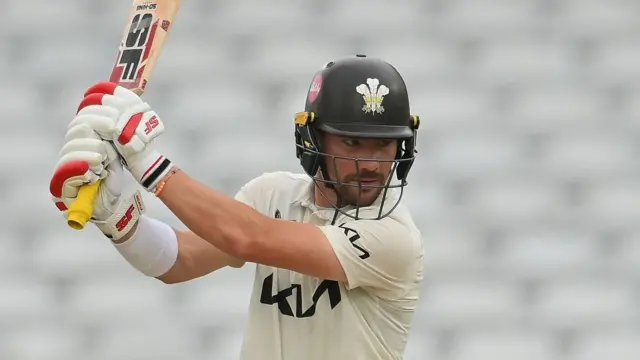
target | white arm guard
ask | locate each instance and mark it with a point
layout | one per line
(153, 249)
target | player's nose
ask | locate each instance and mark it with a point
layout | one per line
(367, 165)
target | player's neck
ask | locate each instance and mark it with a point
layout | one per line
(323, 196)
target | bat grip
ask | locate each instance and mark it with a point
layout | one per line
(81, 210)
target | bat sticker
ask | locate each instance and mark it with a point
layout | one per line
(135, 48)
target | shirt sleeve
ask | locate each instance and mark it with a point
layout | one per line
(256, 192)
(250, 193)
(244, 197)
(381, 255)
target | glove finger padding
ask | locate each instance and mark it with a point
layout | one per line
(99, 119)
(81, 131)
(82, 161)
(112, 88)
(109, 192)
(67, 179)
(110, 95)
(105, 105)
(94, 149)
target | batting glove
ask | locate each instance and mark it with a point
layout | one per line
(84, 159)
(123, 118)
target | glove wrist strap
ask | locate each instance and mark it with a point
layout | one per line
(151, 169)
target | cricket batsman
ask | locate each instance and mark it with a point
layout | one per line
(338, 257)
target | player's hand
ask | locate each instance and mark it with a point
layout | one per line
(84, 159)
(122, 117)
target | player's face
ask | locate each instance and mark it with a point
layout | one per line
(372, 173)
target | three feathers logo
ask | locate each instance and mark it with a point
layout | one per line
(373, 94)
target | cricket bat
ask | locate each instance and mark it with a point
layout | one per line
(144, 36)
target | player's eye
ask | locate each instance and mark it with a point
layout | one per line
(351, 142)
(384, 143)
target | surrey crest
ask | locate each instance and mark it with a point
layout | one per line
(373, 94)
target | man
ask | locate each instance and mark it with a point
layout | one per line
(339, 260)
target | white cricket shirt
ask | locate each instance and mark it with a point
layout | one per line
(298, 317)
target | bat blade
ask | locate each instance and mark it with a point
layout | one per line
(144, 37)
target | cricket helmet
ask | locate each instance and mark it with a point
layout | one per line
(357, 97)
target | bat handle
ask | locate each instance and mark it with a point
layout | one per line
(81, 210)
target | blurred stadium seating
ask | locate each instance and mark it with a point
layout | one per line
(527, 188)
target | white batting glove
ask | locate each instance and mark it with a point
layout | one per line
(84, 159)
(122, 117)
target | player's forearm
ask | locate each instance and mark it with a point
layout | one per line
(196, 258)
(227, 224)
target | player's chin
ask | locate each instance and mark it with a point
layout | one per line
(364, 197)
